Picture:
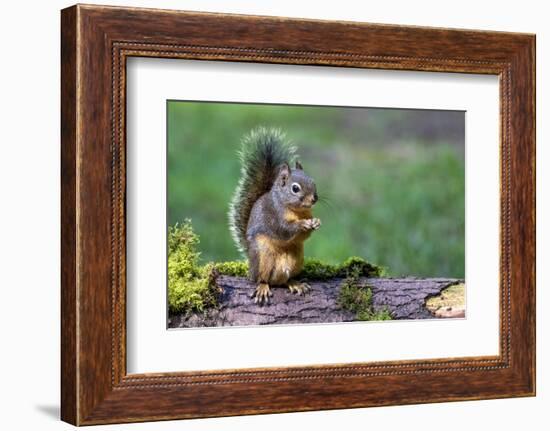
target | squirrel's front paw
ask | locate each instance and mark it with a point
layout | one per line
(262, 293)
(311, 224)
(315, 223)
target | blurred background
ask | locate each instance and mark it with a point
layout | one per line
(393, 179)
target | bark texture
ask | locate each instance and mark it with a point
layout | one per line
(405, 298)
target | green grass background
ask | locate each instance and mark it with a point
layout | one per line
(394, 180)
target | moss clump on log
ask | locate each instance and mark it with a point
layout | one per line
(192, 286)
(316, 270)
(189, 284)
(235, 268)
(358, 299)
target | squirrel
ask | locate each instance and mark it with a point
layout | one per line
(270, 215)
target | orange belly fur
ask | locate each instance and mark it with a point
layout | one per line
(279, 261)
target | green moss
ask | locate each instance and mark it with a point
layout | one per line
(190, 295)
(316, 270)
(190, 287)
(236, 268)
(182, 254)
(358, 299)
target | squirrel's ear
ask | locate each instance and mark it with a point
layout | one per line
(284, 173)
(299, 166)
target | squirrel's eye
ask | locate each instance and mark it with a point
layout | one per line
(296, 188)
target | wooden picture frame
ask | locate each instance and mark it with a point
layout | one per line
(95, 43)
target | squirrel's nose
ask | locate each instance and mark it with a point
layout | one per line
(315, 198)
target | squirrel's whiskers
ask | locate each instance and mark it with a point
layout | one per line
(322, 199)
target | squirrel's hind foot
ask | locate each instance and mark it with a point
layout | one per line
(299, 288)
(262, 294)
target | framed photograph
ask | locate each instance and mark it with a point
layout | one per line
(264, 215)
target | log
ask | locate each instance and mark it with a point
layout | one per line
(405, 298)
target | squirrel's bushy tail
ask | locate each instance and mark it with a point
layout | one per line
(262, 153)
